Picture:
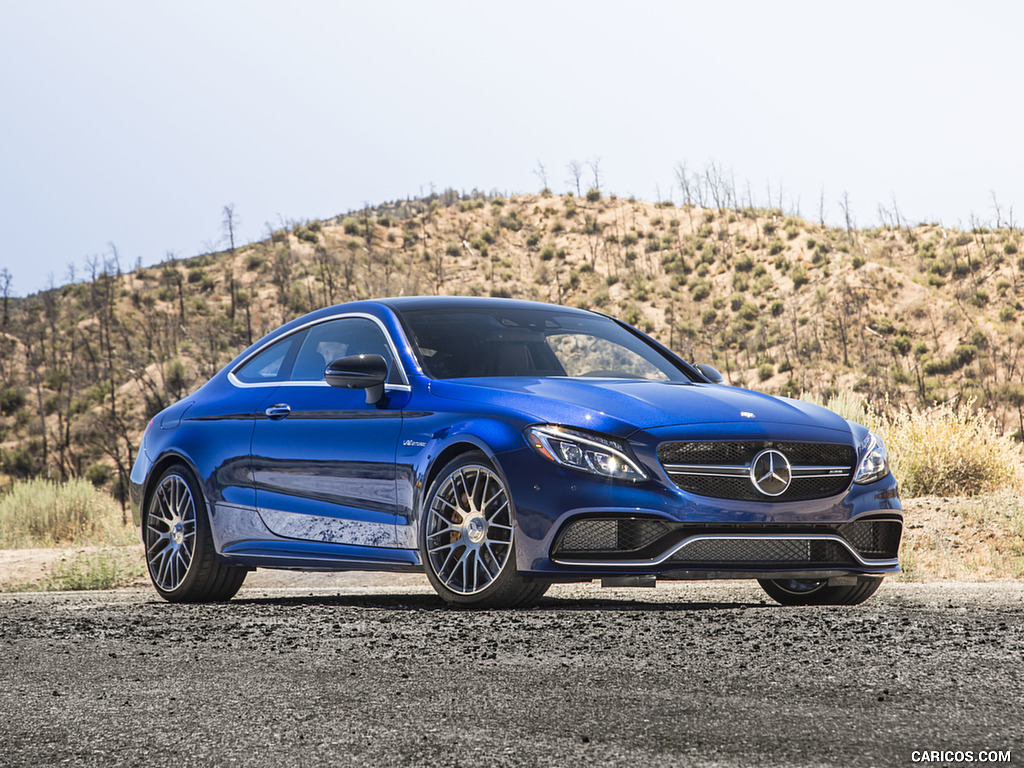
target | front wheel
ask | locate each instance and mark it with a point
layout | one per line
(818, 592)
(467, 538)
(180, 554)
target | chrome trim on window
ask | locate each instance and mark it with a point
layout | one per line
(887, 563)
(404, 387)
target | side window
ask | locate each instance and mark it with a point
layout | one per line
(341, 338)
(271, 364)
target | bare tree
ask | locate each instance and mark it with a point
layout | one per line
(821, 207)
(595, 168)
(229, 225)
(844, 204)
(683, 179)
(6, 278)
(576, 171)
(541, 174)
(896, 212)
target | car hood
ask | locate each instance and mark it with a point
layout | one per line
(614, 405)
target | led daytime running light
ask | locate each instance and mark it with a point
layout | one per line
(585, 452)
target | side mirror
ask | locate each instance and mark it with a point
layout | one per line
(710, 373)
(367, 372)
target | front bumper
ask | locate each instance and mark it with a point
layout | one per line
(665, 531)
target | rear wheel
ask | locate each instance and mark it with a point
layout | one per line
(818, 592)
(180, 555)
(468, 538)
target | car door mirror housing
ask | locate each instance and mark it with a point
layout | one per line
(710, 373)
(367, 372)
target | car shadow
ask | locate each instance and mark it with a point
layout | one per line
(429, 602)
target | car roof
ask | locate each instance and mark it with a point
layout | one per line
(415, 303)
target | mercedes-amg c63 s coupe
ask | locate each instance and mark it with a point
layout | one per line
(500, 446)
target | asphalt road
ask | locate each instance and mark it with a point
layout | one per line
(378, 672)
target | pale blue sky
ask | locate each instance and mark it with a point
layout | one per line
(136, 122)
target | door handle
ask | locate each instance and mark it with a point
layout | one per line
(278, 411)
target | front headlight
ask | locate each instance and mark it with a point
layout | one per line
(585, 452)
(874, 460)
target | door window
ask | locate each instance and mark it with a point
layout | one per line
(343, 337)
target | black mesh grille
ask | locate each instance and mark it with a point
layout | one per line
(763, 551)
(873, 539)
(611, 535)
(736, 453)
(742, 452)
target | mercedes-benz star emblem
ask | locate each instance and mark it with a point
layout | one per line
(770, 472)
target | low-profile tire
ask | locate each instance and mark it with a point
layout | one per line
(818, 592)
(180, 556)
(467, 538)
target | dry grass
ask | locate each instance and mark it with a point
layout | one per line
(939, 451)
(42, 513)
(948, 451)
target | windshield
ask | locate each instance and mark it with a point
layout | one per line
(467, 343)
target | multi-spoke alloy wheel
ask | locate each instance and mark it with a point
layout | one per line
(469, 531)
(170, 533)
(468, 538)
(180, 554)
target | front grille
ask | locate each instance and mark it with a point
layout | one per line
(763, 551)
(738, 455)
(611, 535)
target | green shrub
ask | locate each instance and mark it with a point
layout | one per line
(800, 277)
(765, 372)
(700, 289)
(593, 195)
(978, 299)
(744, 264)
(12, 400)
(547, 252)
(776, 247)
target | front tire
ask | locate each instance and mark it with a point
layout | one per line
(818, 592)
(180, 556)
(467, 538)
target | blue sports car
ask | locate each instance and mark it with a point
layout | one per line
(501, 446)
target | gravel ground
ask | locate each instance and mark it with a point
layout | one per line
(373, 670)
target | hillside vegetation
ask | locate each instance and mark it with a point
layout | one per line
(905, 316)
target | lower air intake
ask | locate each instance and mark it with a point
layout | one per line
(610, 535)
